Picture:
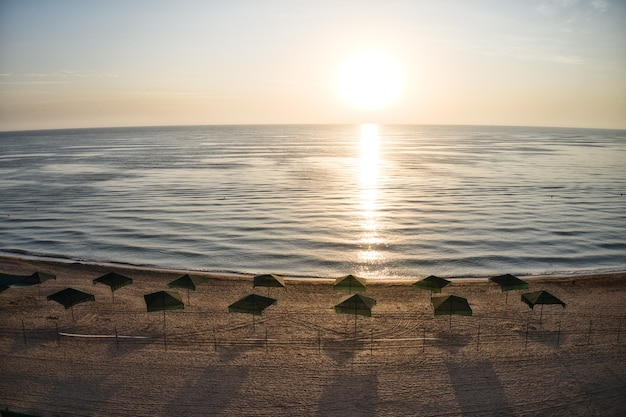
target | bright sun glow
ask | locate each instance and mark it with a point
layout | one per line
(369, 80)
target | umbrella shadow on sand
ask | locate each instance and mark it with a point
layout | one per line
(341, 351)
(532, 334)
(241, 337)
(478, 389)
(93, 387)
(33, 336)
(241, 344)
(209, 393)
(350, 394)
(452, 342)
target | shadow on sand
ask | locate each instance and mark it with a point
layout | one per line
(209, 394)
(352, 393)
(478, 389)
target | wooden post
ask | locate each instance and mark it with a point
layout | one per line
(558, 335)
(478, 339)
(164, 334)
(372, 343)
(266, 346)
(58, 335)
(24, 331)
(117, 342)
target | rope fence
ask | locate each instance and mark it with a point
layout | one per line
(403, 333)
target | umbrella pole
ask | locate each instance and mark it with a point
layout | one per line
(188, 297)
(164, 334)
(540, 314)
(506, 298)
(72, 308)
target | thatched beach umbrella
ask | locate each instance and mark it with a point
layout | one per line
(251, 304)
(356, 304)
(189, 282)
(162, 301)
(451, 304)
(541, 298)
(69, 297)
(18, 281)
(431, 283)
(113, 280)
(508, 283)
(269, 281)
(38, 278)
(349, 283)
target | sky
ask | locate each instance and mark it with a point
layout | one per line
(91, 63)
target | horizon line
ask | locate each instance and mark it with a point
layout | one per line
(139, 126)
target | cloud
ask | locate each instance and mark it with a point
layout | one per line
(73, 74)
(600, 5)
(569, 59)
(64, 74)
(572, 7)
(32, 82)
(51, 78)
(555, 7)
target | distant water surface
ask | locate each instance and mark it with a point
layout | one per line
(379, 201)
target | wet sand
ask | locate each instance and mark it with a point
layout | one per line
(301, 358)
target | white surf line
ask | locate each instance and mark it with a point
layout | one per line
(102, 336)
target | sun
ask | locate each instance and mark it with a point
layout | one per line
(369, 80)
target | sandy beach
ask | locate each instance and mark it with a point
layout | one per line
(302, 358)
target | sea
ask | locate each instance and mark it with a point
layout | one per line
(319, 201)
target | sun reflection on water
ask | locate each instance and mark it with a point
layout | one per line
(369, 163)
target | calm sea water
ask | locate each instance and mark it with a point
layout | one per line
(379, 201)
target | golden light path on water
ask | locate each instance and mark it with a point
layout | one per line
(369, 165)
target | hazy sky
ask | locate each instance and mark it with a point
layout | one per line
(119, 63)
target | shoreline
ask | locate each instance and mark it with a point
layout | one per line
(539, 277)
